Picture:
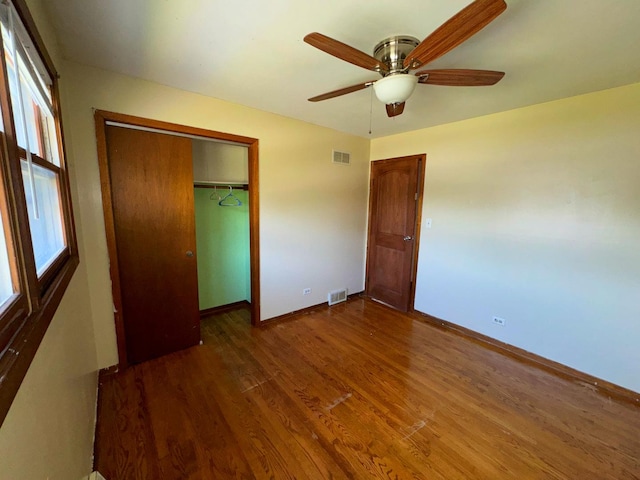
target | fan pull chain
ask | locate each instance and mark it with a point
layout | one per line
(370, 111)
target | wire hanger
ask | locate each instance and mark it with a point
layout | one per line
(230, 200)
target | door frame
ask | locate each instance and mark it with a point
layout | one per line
(422, 160)
(101, 118)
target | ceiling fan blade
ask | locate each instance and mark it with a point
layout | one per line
(341, 91)
(344, 52)
(460, 77)
(395, 109)
(454, 31)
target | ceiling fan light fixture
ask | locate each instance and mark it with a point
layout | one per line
(395, 88)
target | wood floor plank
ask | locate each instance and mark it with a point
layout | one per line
(355, 391)
(122, 414)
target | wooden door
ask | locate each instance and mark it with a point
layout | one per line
(153, 212)
(394, 206)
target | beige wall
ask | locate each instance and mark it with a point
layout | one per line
(312, 212)
(536, 219)
(48, 432)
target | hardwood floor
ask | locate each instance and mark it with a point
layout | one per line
(355, 391)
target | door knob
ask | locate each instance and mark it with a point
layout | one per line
(189, 253)
(407, 238)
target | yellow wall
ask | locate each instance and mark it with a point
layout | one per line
(536, 219)
(312, 212)
(48, 432)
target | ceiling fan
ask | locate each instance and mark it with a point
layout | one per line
(394, 57)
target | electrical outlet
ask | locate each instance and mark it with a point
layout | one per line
(499, 321)
(306, 291)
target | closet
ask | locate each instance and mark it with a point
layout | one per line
(182, 227)
(221, 196)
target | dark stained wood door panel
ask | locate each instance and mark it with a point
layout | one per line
(153, 209)
(393, 223)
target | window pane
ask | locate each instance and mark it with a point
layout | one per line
(33, 119)
(7, 41)
(47, 232)
(6, 284)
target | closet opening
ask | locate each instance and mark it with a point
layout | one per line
(188, 205)
(221, 197)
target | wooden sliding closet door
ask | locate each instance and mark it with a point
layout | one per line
(153, 209)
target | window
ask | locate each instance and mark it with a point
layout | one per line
(45, 217)
(38, 253)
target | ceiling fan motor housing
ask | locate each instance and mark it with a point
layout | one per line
(393, 50)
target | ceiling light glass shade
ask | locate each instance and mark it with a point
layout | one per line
(395, 88)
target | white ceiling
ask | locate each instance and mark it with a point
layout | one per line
(251, 52)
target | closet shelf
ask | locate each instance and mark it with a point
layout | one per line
(244, 186)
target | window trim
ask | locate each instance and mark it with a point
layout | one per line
(34, 307)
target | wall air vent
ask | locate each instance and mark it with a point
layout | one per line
(341, 158)
(337, 296)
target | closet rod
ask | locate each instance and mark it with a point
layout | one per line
(243, 186)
